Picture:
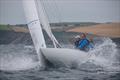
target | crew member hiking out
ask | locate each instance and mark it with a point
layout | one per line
(83, 43)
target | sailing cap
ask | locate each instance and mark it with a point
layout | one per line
(77, 36)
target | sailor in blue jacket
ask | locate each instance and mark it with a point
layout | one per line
(84, 43)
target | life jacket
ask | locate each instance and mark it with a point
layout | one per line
(83, 43)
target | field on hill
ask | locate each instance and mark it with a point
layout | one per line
(107, 30)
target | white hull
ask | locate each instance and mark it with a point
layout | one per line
(67, 57)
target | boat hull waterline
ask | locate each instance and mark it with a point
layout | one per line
(64, 56)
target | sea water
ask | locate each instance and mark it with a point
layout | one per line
(19, 62)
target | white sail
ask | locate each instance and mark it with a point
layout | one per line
(57, 55)
(45, 23)
(34, 26)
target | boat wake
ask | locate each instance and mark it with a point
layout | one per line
(105, 56)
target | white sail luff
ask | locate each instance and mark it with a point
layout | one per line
(34, 26)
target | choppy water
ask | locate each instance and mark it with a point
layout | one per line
(19, 62)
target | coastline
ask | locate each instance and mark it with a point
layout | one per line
(111, 30)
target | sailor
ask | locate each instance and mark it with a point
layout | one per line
(83, 43)
(77, 40)
(91, 43)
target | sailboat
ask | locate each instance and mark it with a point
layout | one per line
(56, 55)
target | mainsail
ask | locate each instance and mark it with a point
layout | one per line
(34, 22)
(34, 27)
(45, 23)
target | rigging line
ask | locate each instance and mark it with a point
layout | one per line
(50, 8)
(55, 42)
(59, 15)
(54, 10)
(47, 17)
(43, 3)
(57, 9)
(37, 1)
(53, 35)
(49, 31)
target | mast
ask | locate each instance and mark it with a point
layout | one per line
(34, 26)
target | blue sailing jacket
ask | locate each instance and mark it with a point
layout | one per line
(83, 43)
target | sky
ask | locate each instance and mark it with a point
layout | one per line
(11, 11)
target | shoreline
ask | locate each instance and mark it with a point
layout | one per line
(111, 30)
(107, 30)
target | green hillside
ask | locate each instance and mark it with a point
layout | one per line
(4, 27)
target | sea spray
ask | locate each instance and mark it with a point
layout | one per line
(17, 57)
(104, 55)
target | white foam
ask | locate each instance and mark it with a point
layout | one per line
(16, 57)
(17, 63)
(104, 55)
